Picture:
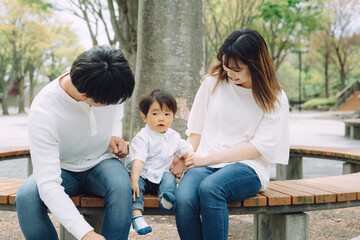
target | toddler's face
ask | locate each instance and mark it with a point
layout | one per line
(159, 119)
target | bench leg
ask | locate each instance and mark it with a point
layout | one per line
(95, 221)
(294, 170)
(29, 167)
(350, 168)
(294, 226)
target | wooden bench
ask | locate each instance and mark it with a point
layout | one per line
(352, 128)
(279, 211)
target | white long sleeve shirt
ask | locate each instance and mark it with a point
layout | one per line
(230, 117)
(157, 151)
(71, 135)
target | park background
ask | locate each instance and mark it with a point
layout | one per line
(171, 44)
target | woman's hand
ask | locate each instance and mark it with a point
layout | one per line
(198, 159)
(119, 146)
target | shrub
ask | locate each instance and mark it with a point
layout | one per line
(319, 103)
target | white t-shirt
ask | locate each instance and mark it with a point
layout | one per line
(68, 134)
(230, 117)
(157, 151)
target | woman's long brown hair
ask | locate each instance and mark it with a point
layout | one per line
(249, 47)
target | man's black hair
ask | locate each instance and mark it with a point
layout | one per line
(103, 74)
(164, 98)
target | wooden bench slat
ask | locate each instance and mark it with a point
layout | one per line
(4, 195)
(297, 196)
(12, 198)
(276, 198)
(256, 201)
(321, 196)
(14, 151)
(341, 194)
(91, 201)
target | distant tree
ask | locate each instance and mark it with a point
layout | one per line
(117, 18)
(286, 24)
(321, 52)
(345, 39)
(27, 38)
(224, 17)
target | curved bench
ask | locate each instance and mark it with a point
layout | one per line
(279, 211)
(352, 128)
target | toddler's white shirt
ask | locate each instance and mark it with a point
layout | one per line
(157, 151)
(230, 117)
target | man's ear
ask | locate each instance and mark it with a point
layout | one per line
(83, 96)
(143, 117)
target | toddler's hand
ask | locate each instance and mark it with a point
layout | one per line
(135, 186)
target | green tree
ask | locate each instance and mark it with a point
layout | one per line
(345, 40)
(224, 17)
(287, 24)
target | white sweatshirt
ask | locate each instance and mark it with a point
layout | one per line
(230, 117)
(71, 135)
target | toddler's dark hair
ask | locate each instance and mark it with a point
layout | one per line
(164, 98)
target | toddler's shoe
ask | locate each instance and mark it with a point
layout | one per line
(167, 202)
(140, 225)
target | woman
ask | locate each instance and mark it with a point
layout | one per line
(238, 125)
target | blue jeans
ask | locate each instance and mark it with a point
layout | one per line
(208, 190)
(108, 179)
(167, 185)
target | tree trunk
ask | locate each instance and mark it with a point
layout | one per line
(4, 101)
(326, 70)
(170, 54)
(21, 95)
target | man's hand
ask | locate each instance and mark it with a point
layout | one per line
(93, 236)
(177, 167)
(119, 146)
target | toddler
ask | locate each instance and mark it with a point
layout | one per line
(151, 153)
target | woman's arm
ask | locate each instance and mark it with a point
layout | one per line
(243, 152)
(194, 140)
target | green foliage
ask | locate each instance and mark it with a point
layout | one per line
(318, 103)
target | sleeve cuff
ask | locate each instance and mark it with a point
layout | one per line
(80, 228)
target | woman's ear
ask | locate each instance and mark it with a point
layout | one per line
(143, 117)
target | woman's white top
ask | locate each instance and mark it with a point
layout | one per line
(157, 151)
(230, 117)
(71, 135)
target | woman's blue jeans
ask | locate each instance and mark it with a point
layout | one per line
(108, 179)
(208, 190)
(167, 185)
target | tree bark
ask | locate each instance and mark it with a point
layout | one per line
(170, 55)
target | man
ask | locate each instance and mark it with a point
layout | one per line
(75, 138)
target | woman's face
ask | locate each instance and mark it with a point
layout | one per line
(239, 73)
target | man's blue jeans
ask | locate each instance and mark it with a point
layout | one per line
(208, 190)
(167, 185)
(108, 179)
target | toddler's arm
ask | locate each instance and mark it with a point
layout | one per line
(136, 169)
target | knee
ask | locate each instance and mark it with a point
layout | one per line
(26, 196)
(184, 199)
(208, 189)
(120, 190)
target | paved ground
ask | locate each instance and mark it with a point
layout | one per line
(306, 128)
